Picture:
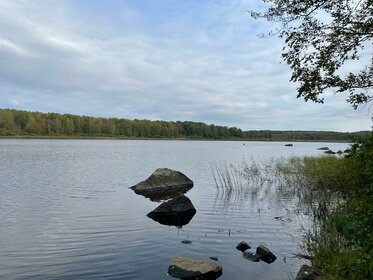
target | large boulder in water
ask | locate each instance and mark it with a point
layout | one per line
(175, 212)
(164, 183)
(192, 269)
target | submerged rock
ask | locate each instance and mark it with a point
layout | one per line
(186, 241)
(242, 246)
(192, 269)
(306, 273)
(164, 183)
(329, 152)
(324, 148)
(288, 145)
(251, 256)
(175, 212)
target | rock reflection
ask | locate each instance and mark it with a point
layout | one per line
(177, 220)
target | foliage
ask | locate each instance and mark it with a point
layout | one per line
(337, 192)
(342, 242)
(15, 122)
(361, 155)
(323, 38)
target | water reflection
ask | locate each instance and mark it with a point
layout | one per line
(177, 220)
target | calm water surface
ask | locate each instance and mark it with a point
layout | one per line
(66, 211)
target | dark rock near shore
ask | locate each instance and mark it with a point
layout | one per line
(306, 273)
(242, 246)
(262, 254)
(329, 152)
(324, 148)
(175, 212)
(192, 269)
(164, 183)
(265, 254)
(288, 145)
(340, 152)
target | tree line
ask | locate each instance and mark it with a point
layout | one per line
(24, 123)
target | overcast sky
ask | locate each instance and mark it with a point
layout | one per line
(153, 59)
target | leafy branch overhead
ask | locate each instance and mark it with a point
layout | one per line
(328, 45)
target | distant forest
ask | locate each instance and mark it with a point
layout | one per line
(33, 124)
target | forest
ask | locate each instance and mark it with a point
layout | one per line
(18, 123)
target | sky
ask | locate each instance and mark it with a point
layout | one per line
(173, 60)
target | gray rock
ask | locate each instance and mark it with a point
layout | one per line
(176, 212)
(242, 246)
(192, 269)
(186, 241)
(324, 148)
(288, 145)
(164, 183)
(329, 152)
(265, 254)
(306, 273)
(214, 258)
(340, 152)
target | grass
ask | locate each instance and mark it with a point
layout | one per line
(338, 192)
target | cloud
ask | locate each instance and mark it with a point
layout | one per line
(200, 61)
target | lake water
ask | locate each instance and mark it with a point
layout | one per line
(66, 211)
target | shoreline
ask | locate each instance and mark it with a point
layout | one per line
(80, 137)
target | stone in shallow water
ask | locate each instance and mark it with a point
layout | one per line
(242, 246)
(175, 212)
(265, 254)
(262, 254)
(162, 184)
(192, 269)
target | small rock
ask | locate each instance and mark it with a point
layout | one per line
(340, 152)
(324, 148)
(192, 269)
(186, 241)
(265, 254)
(306, 273)
(214, 258)
(329, 152)
(242, 246)
(288, 145)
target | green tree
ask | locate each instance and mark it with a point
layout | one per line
(7, 123)
(32, 126)
(322, 37)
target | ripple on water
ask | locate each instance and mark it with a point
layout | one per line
(66, 211)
